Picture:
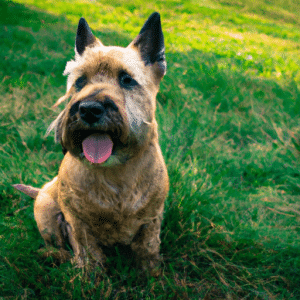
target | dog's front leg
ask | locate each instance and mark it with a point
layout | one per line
(85, 246)
(146, 246)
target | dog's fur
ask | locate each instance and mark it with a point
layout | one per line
(120, 200)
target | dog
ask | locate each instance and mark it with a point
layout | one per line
(113, 181)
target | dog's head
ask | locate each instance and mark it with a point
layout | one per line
(111, 114)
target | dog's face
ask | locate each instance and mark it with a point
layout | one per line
(111, 114)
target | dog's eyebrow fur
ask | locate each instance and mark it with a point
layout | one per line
(104, 68)
(107, 61)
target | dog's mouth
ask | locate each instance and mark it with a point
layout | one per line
(96, 146)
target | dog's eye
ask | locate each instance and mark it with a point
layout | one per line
(126, 81)
(80, 83)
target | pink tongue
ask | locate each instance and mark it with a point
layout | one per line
(97, 148)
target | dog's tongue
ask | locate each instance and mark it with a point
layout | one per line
(97, 148)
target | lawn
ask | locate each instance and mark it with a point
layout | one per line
(228, 113)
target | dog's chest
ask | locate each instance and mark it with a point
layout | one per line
(111, 213)
(113, 227)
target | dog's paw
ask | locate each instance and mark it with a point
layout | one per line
(58, 255)
(87, 264)
(151, 266)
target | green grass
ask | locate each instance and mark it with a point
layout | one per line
(228, 114)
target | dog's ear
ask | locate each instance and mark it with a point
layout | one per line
(84, 37)
(150, 43)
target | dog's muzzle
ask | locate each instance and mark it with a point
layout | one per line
(95, 128)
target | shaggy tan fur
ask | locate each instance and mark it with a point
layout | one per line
(122, 199)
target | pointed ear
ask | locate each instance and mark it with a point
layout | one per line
(150, 43)
(84, 37)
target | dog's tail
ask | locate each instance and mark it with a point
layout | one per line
(27, 189)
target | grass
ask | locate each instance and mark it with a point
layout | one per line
(228, 114)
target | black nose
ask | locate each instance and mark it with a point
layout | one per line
(91, 111)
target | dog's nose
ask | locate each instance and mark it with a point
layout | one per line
(91, 111)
